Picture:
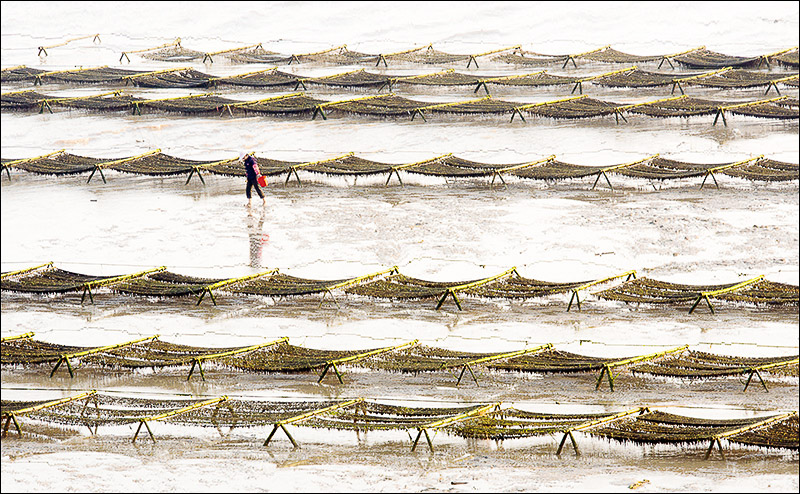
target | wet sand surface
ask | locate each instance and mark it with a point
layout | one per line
(435, 229)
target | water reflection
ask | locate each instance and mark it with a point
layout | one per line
(255, 226)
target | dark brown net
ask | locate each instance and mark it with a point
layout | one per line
(174, 54)
(53, 280)
(278, 285)
(767, 170)
(694, 364)
(707, 59)
(610, 55)
(574, 108)
(661, 427)
(264, 79)
(174, 79)
(683, 107)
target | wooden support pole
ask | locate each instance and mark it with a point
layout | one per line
(479, 411)
(629, 274)
(27, 270)
(65, 357)
(453, 289)
(144, 420)
(87, 287)
(220, 284)
(305, 416)
(331, 364)
(607, 367)
(706, 295)
(197, 360)
(12, 416)
(594, 423)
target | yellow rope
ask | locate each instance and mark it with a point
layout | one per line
(51, 404)
(724, 167)
(27, 270)
(532, 105)
(125, 160)
(24, 160)
(755, 426)
(177, 42)
(732, 288)
(17, 337)
(117, 279)
(753, 103)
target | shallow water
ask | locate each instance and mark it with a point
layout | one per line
(327, 228)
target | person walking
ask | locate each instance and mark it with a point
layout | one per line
(252, 172)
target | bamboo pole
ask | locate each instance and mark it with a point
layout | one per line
(594, 423)
(305, 416)
(621, 108)
(721, 109)
(711, 171)
(144, 420)
(677, 82)
(382, 57)
(38, 77)
(482, 410)
(579, 82)
(46, 101)
(17, 337)
(629, 274)
(12, 416)
(395, 80)
(87, 287)
(354, 281)
(293, 168)
(496, 173)
(197, 361)
(741, 430)
(229, 50)
(602, 173)
(468, 365)
(319, 107)
(453, 289)
(44, 48)
(518, 109)
(245, 104)
(99, 166)
(65, 357)
(753, 103)
(223, 283)
(608, 366)
(395, 169)
(177, 42)
(205, 166)
(774, 83)
(755, 370)
(137, 108)
(482, 82)
(26, 270)
(8, 165)
(419, 110)
(667, 57)
(473, 57)
(332, 364)
(573, 57)
(296, 58)
(765, 58)
(246, 74)
(128, 78)
(706, 295)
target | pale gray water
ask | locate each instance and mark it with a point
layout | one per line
(327, 229)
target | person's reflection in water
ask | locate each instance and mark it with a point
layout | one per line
(255, 225)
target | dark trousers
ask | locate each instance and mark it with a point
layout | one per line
(252, 182)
